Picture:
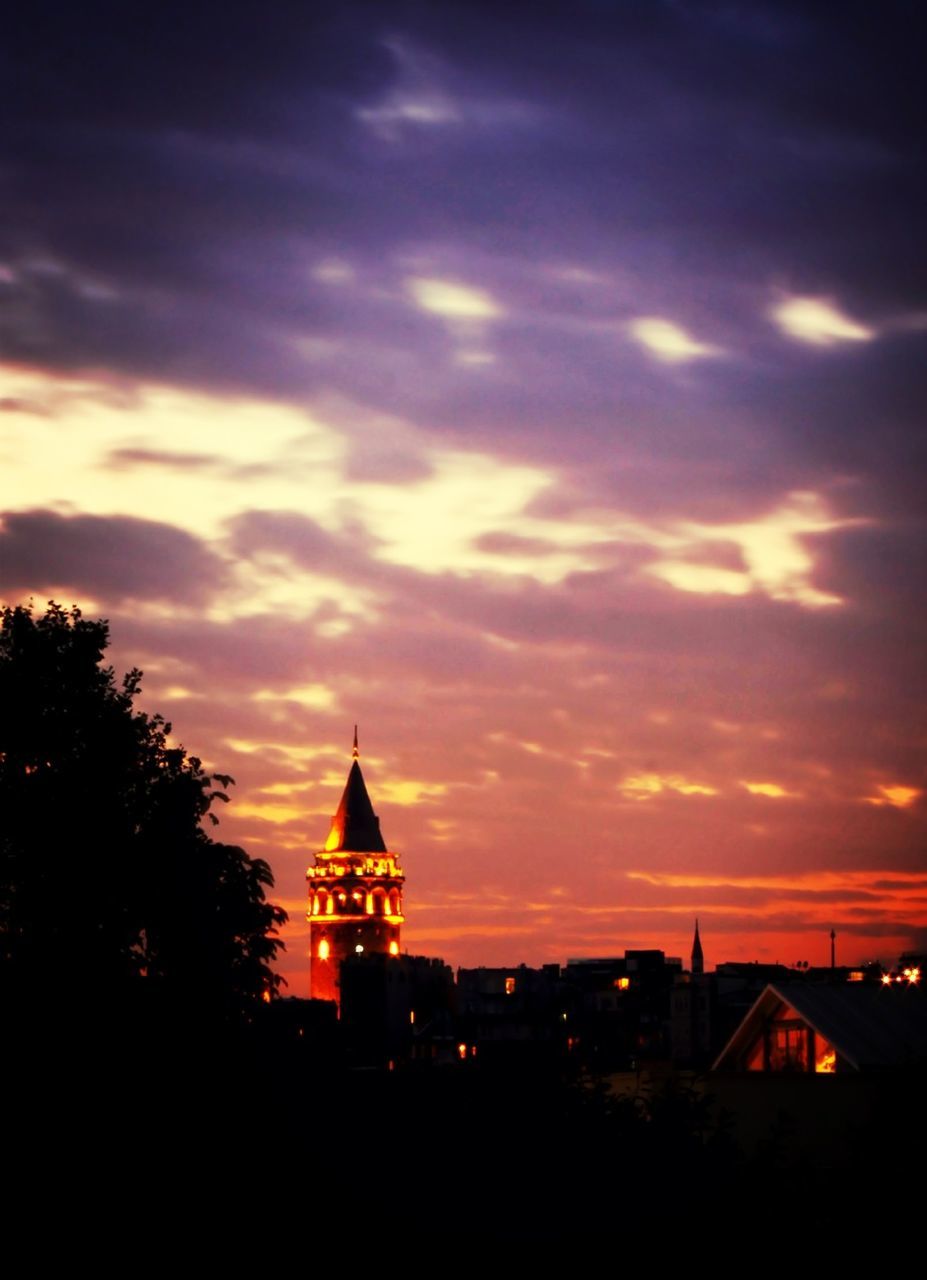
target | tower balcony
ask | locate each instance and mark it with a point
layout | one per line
(332, 899)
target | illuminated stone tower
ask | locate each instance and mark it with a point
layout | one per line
(355, 889)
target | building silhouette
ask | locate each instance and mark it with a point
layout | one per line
(355, 890)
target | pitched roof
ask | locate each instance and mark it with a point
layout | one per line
(869, 1025)
(355, 827)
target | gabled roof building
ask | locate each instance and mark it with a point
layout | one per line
(824, 1028)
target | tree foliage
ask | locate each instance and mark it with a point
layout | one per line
(110, 889)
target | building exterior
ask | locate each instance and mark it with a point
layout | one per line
(621, 1007)
(508, 1015)
(823, 1029)
(396, 1010)
(355, 890)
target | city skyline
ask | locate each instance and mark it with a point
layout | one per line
(541, 391)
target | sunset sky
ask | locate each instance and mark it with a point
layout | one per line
(540, 387)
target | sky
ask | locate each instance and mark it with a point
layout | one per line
(539, 387)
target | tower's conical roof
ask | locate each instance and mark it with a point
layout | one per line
(698, 958)
(355, 827)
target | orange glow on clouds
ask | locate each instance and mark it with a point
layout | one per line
(770, 789)
(643, 786)
(898, 796)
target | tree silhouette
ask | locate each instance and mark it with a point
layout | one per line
(113, 899)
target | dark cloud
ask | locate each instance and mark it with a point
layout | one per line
(303, 541)
(498, 542)
(695, 154)
(123, 459)
(16, 404)
(114, 558)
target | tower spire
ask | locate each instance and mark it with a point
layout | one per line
(698, 960)
(355, 753)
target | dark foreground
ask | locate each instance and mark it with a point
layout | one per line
(234, 1147)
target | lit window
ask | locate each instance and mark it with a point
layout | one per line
(788, 1047)
(324, 949)
(622, 984)
(510, 986)
(394, 948)
(359, 949)
(461, 1051)
(825, 1056)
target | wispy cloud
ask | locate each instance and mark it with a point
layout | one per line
(668, 342)
(896, 795)
(452, 300)
(819, 321)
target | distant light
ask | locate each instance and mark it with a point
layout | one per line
(412, 1017)
(394, 948)
(886, 979)
(359, 948)
(461, 1051)
(324, 949)
(510, 986)
(622, 983)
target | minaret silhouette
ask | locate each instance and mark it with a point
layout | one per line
(698, 960)
(355, 889)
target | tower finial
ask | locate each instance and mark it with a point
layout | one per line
(355, 753)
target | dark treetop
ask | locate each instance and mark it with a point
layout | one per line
(113, 899)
